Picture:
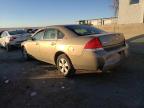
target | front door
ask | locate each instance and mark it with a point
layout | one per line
(33, 46)
(48, 45)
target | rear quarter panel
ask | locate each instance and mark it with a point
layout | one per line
(72, 46)
(74, 49)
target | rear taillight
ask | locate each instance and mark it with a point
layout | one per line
(93, 44)
(12, 38)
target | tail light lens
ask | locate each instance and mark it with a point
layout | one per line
(12, 38)
(93, 44)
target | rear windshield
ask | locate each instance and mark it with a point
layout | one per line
(83, 30)
(17, 32)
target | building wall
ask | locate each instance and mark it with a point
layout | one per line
(130, 13)
(129, 30)
(98, 22)
(110, 21)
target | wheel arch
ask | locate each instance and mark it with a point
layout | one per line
(22, 46)
(58, 54)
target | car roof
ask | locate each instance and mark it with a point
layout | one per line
(62, 25)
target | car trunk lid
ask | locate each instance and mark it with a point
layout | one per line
(110, 41)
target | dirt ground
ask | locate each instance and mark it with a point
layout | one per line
(32, 84)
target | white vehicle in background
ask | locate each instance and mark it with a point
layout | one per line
(13, 38)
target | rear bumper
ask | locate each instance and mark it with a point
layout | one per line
(100, 60)
(108, 60)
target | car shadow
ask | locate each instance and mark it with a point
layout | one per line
(13, 49)
(44, 71)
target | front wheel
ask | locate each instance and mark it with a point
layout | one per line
(65, 66)
(25, 54)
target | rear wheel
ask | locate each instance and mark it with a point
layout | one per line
(65, 66)
(25, 54)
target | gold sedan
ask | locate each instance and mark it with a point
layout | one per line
(76, 47)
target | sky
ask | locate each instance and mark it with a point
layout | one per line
(26, 13)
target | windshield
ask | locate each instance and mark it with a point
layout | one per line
(17, 32)
(83, 30)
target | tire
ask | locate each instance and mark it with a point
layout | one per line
(65, 66)
(25, 54)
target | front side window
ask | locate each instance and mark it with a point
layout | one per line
(83, 30)
(39, 35)
(53, 34)
(50, 34)
(134, 1)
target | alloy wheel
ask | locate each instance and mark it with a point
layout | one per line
(63, 66)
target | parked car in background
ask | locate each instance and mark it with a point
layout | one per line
(76, 47)
(1, 32)
(12, 38)
(31, 31)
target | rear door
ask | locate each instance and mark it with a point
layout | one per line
(33, 46)
(48, 45)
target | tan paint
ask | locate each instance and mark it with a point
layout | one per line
(71, 45)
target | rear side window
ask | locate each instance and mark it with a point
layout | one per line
(83, 30)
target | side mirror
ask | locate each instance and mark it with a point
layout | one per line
(33, 39)
(29, 38)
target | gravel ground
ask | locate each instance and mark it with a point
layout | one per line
(35, 84)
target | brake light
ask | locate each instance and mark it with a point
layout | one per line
(93, 44)
(12, 38)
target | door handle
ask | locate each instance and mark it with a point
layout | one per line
(37, 43)
(53, 43)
